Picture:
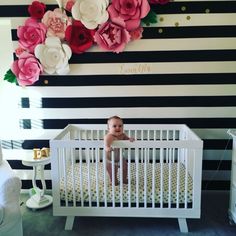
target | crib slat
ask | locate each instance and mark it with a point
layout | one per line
(113, 177)
(178, 178)
(121, 177)
(153, 176)
(137, 175)
(170, 177)
(65, 174)
(186, 180)
(129, 176)
(73, 175)
(81, 177)
(161, 177)
(145, 177)
(105, 178)
(97, 174)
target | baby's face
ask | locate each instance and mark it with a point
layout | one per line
(115, 127)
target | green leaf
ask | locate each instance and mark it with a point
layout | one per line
(151, 18)
(10, 77)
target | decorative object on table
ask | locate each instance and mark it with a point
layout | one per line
(41, 153)
(48, 38)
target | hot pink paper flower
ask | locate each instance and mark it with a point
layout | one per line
(79, 37)
(131, 11)
(112, 36)
(56, 22)
(31, 34)
(161, 2)
(27, 69)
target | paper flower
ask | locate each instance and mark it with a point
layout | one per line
(90, 12)
(79, 37)
(31, 34)
(27, 69)
(37, 9)
(112, 36)
(56, 22)
(54, 56)
(131, 11)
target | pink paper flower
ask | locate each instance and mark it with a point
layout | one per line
(161, 2)
(136, 34)
(18, 51)
(56, 22)
(26, 69)
(79, 37)
(112, 36)
(31, 34)
(69, 4)
(131, 11)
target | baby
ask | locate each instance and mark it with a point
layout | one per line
(115, 132)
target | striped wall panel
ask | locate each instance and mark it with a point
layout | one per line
(183, 70)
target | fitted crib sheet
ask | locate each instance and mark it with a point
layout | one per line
(96, 193)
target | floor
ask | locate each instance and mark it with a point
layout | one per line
(214, 221)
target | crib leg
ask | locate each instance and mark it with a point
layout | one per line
(69, 222)
(183, 225)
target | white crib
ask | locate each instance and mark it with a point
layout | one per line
(164, 173)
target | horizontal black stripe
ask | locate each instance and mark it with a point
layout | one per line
(27, 184)
(195, 7)
(100, 102)
(191, 122)
(17, 165)
(170, 8)
(215, 185)
(136, 79)
(216, 165)
(179, 32)
(19, 10)
(155, 56)
(208, 144)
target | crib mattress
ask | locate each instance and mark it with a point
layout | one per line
(92, 189)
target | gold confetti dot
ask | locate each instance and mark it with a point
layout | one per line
(45, 81)
(188, 17)
(161, 19)
(160, 31)
(207, 10)
(176, 24)
(183, 8)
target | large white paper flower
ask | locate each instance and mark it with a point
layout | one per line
(54, 56)
(90, 12)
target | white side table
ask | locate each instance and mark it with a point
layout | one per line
(38, 164)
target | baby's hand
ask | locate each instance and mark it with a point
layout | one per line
(131, 139)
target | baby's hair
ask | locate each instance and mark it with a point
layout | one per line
(114, 117)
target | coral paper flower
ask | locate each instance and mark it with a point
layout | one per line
(79, 37)
(31, 34)
(56, 22)
(131, 11)
(90, 12)
(54, 56)
(112, 36)
(27, 69)
(37, 9)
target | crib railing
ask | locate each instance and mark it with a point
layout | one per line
(163, 172)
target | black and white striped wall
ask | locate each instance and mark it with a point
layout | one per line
(183, 70)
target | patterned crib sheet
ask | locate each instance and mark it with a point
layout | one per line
(124, 193)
